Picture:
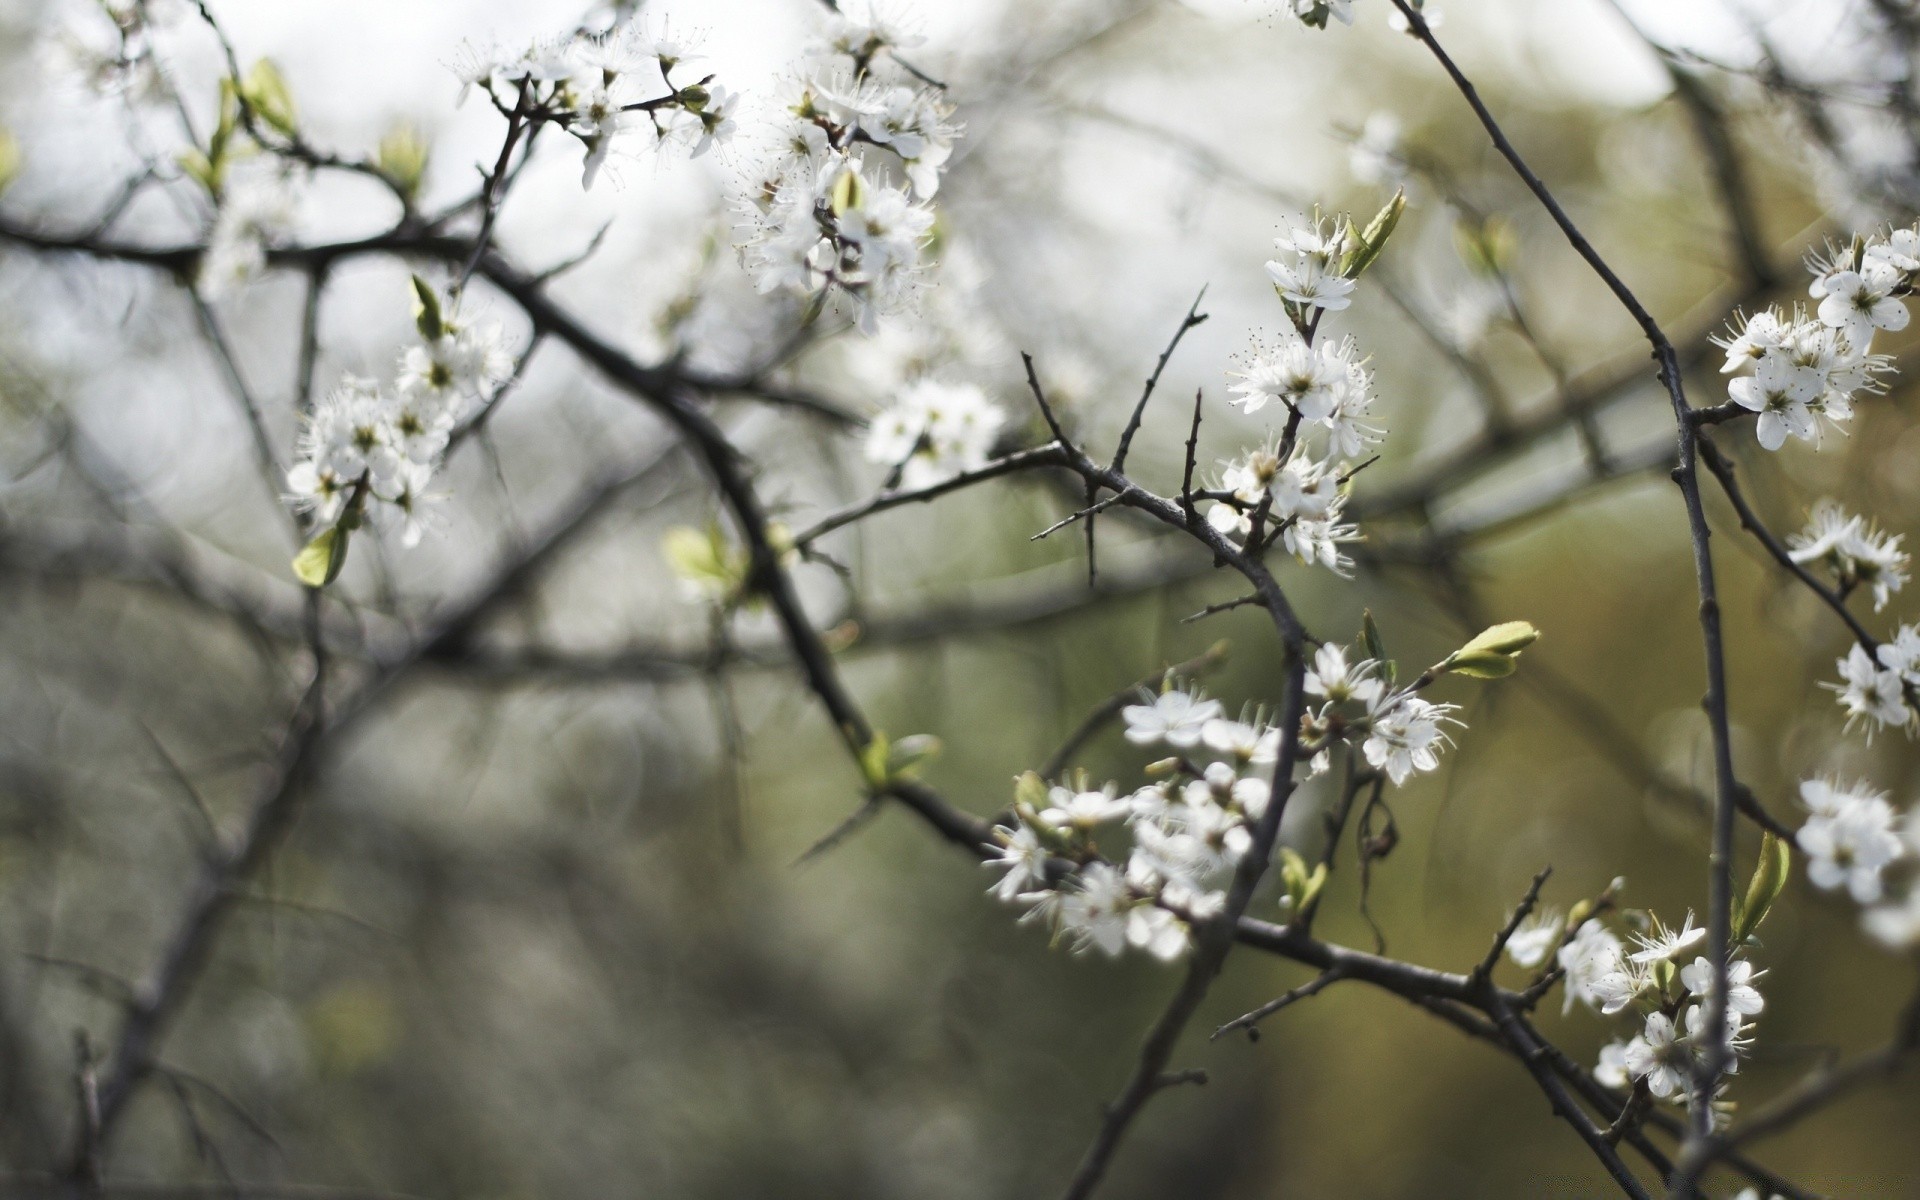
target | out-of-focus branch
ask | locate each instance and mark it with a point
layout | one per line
(160, 996)
(1718, 1051)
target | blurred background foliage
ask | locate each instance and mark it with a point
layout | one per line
(541, 932)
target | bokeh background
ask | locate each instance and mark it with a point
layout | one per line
(541, 932)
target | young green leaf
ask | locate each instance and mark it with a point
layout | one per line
(320, 560)
(265, 91)
(1769, 880)
(426, 310)
(1373, 239)
(1493, 654)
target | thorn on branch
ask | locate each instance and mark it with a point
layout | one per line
(1040, 398)
(1249, 1021)
(1215, 609)
(1087, 512)
(1193, 318)
(1193, 448)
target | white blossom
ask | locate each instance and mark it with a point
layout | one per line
(1856, 552)
(1659, 1056)
(1870, 693)
(1404, 735)
(1535, 938)
(935, 431)
(1024, 858)
(1661, 944)
(1896, 925)
(1849, 842)
(1743, 999)
(1592, 953)
(256, 209)
(1307, 271)
(1174, 717)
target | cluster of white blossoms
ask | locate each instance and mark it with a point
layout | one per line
(1873, 688)
(1295, 485)
(1852, 838)
(601, 86)
(256, 208)
(1193, 824)
(1810, 368)
(1397, 731)
(367, 449)
(1853, 550)
(1314, 13)
(1661, 980)
(1190, 829)
(933, 432)
(843, 206)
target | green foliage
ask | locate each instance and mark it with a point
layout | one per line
(320, 561)
(1494, 653)
(1770, 876)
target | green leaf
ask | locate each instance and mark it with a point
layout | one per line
(1370, 640)
(1769, 880)
(1493, 653)
(873, 761)
(426, 311)
(709, 563)
(320, 560)
(845, 194)
(1487, 247)
(9, 159)
(266, 93)
(909, 753)
(1302, 884)
(1375, 647)
(1373, 239)
(1029, 793)
(203, 170)
(402, 157)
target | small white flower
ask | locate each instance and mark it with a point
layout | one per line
(1024, 859)
(1743, 999)
(1663, 945)
(1084, 810)
(1896, 926)
(1404, 735)
(1659, 1056)
(1307, 271)
(1535, 938)
(1611, 1070)
(1375, 157)
(1853, 550)
(1592, 954)
(1861, 301)
(1176, 718)
(934, 432)
(1852, 846)
(1780, 391)
(1763, 334)
(1869, 693)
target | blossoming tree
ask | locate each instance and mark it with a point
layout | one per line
(1219, 843)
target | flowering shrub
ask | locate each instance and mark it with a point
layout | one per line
(837, 179)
